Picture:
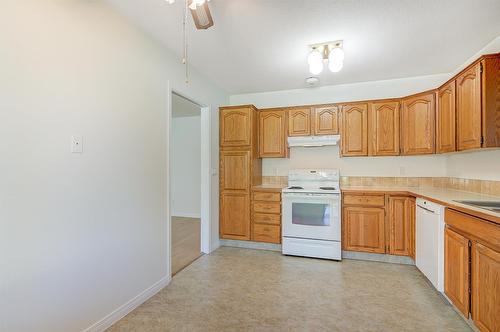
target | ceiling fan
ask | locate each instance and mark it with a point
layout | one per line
(202, 20)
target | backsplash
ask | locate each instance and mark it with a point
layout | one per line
(486, 187)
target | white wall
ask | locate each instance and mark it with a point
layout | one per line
(480, 165)
(82, 234)
(185, 164)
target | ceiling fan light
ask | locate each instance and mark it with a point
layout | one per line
(316, 68)
(335, 66)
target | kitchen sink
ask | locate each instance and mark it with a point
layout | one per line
(487, 205)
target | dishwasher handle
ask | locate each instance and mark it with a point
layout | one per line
(426, 209)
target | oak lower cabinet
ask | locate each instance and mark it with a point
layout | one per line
(378, 223)
(401, 225)
(485, 277)
(417, 124)
(472, 268)
(266, 216)
(239, 168)
(354, 130)
(456, 274)
(363, 229)
(272, 134)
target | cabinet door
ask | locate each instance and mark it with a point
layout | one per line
(354, 130)
(485, 288)
(445, 119)
(299, 122)
(469, 108)
(235, 171)
(456, 270)
(272, 135)
(417, 124)
(235, 216)
(400, 224)
(384, 128)
(325, 120)
(235, 126)
(363, 229)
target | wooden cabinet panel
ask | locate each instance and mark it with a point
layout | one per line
(383, 130)
(445, 119)
(469, 108)
(364, 200)
(235, 171)
(272, 134)
(363, 229)
(267, 218)
(267, 207)
(266, 233)
(417, 124)
(400, 225)
(266, 196)
(235, 216)
(235, 126)
(354, 130)
(456, 270)
(299, 122)
(325, 120)
(485, 288)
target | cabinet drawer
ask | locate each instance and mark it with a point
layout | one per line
(266, 196)
(266, 207)
(266, 218)
(364, 200)
(266, 233)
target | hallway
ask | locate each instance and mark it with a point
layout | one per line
(186, 239)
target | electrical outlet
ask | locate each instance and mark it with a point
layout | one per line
(76, 144)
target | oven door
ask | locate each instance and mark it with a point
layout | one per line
(312, 216)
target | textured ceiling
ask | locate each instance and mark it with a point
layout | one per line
(261, 45)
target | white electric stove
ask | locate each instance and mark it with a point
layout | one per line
(311, 214)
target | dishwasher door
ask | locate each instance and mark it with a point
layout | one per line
(429, 242)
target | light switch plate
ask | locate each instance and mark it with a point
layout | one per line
(77, 144)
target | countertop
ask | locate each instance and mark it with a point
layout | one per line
(269, 187)
(441, 196)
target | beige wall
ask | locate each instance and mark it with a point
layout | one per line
(480, 165)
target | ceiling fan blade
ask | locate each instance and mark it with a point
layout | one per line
(202, 16)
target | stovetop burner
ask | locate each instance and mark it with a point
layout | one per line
(295, 187)
(327, 188)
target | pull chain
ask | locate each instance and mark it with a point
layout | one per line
(184, 23)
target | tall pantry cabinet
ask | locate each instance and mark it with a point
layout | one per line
(240, 169)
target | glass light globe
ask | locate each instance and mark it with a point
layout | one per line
(335, 66)
(314, 57)
(336, 55)
(316, 67)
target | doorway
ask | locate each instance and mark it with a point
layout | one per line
(185, 175)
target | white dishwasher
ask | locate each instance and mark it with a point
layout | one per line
(429, 242)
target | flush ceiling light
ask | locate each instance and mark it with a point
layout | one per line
(330, 52)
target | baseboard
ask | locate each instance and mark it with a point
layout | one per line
(384, 258)
(250, 245)
(126, 308)
(186, 215)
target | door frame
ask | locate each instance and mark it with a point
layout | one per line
(205, 179)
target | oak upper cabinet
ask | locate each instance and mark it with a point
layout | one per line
(272, 134)
(469, 108)
(485, 288)
(401, 217)
(235, 126)
(417, 124)
(354, 130)
(445, 118)
(299, 121)
(456, 269)
(363, 229)
(325, 120)
(383, 128)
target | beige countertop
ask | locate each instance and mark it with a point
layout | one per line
(441, 196)
(269, 187)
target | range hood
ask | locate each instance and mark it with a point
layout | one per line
(311, 141)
